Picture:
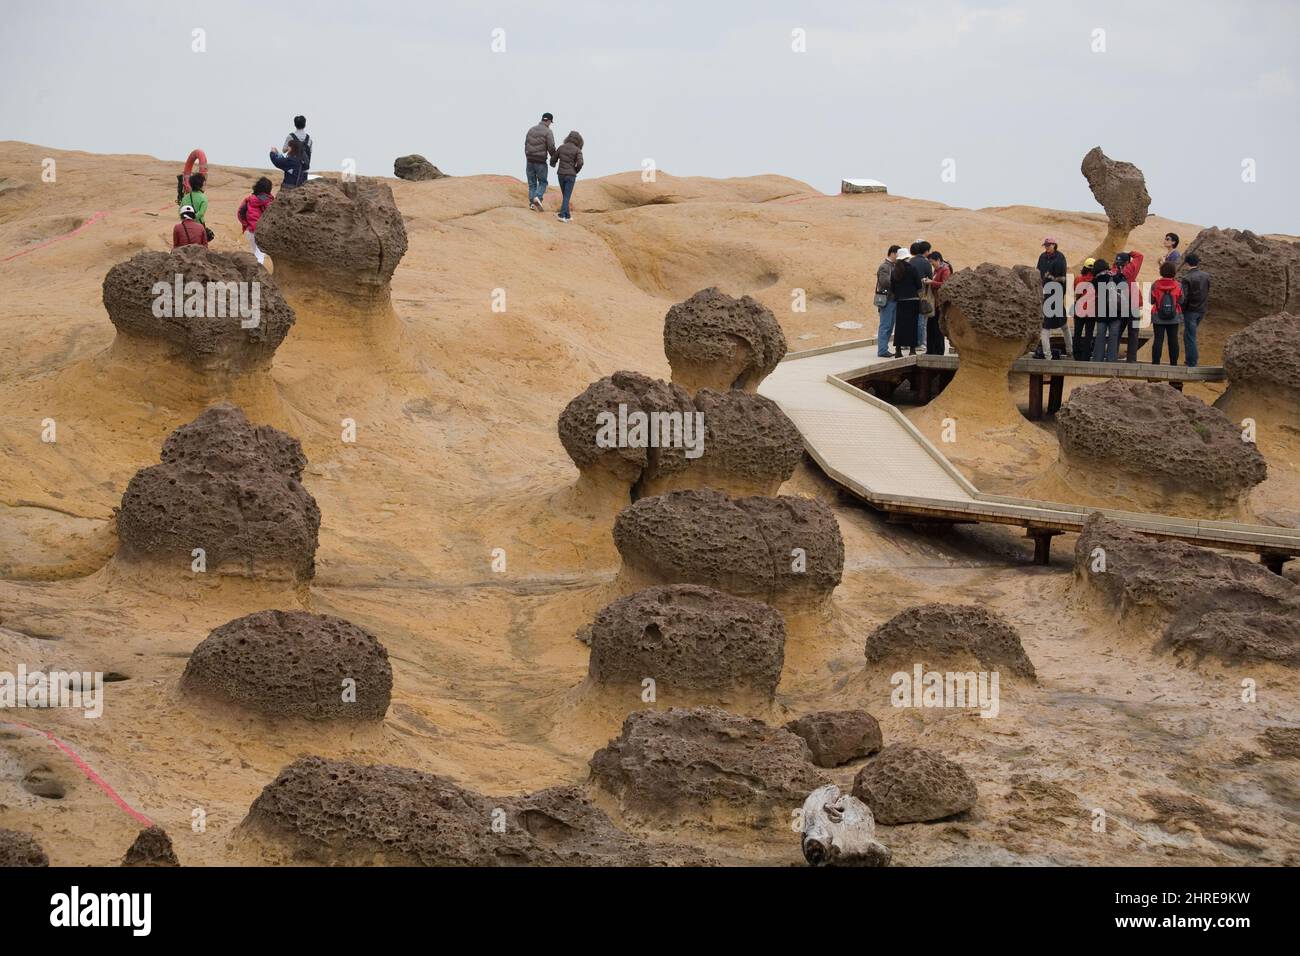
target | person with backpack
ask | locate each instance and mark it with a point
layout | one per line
(196, 199)
(1166, 313)
(302, 138)
(935, 343)
(1083, 311)
(1051, 272)
(295, 173)
(907, 284)
(188, 232)
(1127, 266)
(885, 301)
(568, 160)
(1111, 304)
(250, 211)
(539, 146)
(1196, 298)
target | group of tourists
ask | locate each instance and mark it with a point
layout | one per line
(907, 288)
(539, 147)
(1107, 305)
(293, 158)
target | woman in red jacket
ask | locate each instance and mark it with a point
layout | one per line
(934, 340)
(1166, 312)
(1085, 314)
(1128, 265)
(251, 209)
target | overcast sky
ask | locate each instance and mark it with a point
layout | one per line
(1013, 93)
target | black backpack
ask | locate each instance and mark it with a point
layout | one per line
(304, 149)
(1168, 309)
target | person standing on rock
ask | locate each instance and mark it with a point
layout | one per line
(885, 301)
(1128, 265)
(250, 211)
(188, 232)
(935, 343)
(539, 147)
(295, 173)
(569, 160)
(1051, 271)
(1196, 298)
(907, 292)
(1166, 313)
(302, 138)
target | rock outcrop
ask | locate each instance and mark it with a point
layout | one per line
(679, 765)
(345, 814)
(933, 634)
(1121, 189)
(785, 551)
(714, 341)
(837, 737)
(904, 784)
(1199, 601)
(415, 167)
(688, 638)
(1250, 276)
(20, 849)
(293, 664)
(1149, 447)
(230, 488)
(1263, 366)
(152, 847)
(215, 312)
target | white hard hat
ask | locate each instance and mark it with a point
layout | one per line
(188, 211)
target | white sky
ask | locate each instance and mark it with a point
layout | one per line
(1011, 91)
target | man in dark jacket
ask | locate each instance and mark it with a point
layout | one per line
(295, 173)
(539, 146)
(1196, 298)
(885, 300)
(1051, 270)
(568, 158)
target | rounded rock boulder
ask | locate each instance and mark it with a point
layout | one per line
(904, 784)
(934, 633)
(714, 341)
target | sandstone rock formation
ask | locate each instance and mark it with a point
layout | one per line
(230, 488)
(785, 551)
(904, 784)
(715, 341)
(1199, 601)
(1148, 447)
(20, 849)
(1121, 189)
(346, 236)
(1250, 276)
(837, 737)
(839, 830)
(293, 664)
(152, 847)
(1263, 366)
(688, 638)
(203, 326)
(416, 167)
(704, 764)
(932, 634)
(346, 814)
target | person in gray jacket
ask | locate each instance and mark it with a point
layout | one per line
(568, 160)
(539, 146)
(1196, 297)
(885, 301)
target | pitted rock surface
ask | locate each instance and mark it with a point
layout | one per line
(1119, 187)
(932, 633)
(415, 167)
(714, 341)
(152, 847)
(580, 424)
(1250, 276)
(995, 301)
(904, 784)
(837, 737)
(20, 849)
(1265, 354)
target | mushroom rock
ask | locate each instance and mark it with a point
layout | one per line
(1250, 276)
(346, 814)
(904, 784)
(293, 664)
(688, 638)
(705, 764)
(839, 830)
(935, 633)
(20, 849)
(1200, 601)
(714, 341)
(230, 488)
(747, 446)
(1263, 366)
(1122, 191)
(1148, 447)
(837, 737)
(785, 551)
(152, 847)
(226, 320)
(345, 237)
(416, 167)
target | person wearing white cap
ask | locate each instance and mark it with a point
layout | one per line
(189, 231)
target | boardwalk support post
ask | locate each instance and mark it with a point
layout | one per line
(1042, 543)
(1035, 395)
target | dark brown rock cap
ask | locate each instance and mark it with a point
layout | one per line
(203, 325)
(341, 813)
(582, 432)
(932, 633)
(903, 784)
(293, 664)
(230, 488)
(1266, 354)
(344, 230)
(20, 849)
(837, 737)
(997, 302)
(1250, 275)
(1153, 430)
(416, 167)
(747, 437)
(711, 329)
(1119, 187)
(687, 637)
(152, 847)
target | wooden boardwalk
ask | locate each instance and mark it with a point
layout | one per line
(870, 448)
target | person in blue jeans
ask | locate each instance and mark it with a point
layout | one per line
(885, 288)
(539, 146)
(568, 160)
(1196, 297)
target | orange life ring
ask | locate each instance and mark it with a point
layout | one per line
(196, 155)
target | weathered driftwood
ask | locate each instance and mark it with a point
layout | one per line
(839, 830)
